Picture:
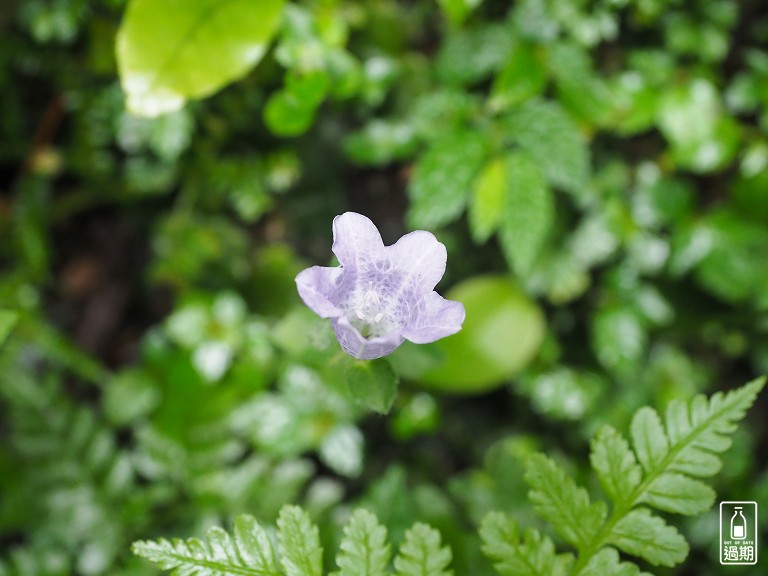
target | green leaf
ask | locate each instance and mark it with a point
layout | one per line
(291, 111)
(342, 450)
(421, 553)
(580, 89)
(8, 320)
(364, 550)
(648, 438)
(702, 137)
(673, 492)
(458, 10)
(248, 553)
(735, 265)
(535, 555)
(469, 55)
(380, 142)
(606, 562)
(443, 178)
(614, 463)
(286, 115)
(528, 213)
(560, 501)
(299, 543)
(480, 356)
(371, 383)
(647, 536)
(619, 338)
(522, 77)
(254, 545)
(168, 52)
(545, 131)
(488, 200)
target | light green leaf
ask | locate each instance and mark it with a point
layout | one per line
(469, 55)
(498, 314)
(371, 383)
(169, 52)
(8, 319)
(648, 438)
(535, 555)
(488, 200)
(560, 501)
(421, 553)
(614, 463)
(528, 214)
(249, 553)
(647, 536)
(380, 142)
(619, 338)
(563, 393)
(703, 138)
(291, 111)
(553, 140)
(580, 89)
(673, 492)
(443, 178)
(286, 115)
(735, 266)
(522, 77)
(458, 10)
(607, 562)
(299, 543)
(254, 544)
(364, 550)
(342, 450)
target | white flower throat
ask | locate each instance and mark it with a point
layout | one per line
(369, 312)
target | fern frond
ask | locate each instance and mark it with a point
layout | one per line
(533, 555)
(249, 553)
(364, 550)
(662, 468)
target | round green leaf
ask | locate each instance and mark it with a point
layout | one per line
(8, 319)
(501, 335)
(372, 384)
(169, 51)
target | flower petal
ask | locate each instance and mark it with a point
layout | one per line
(421, 260)
(318, 289)
(356, 241)
(433, 318)
(353, 343)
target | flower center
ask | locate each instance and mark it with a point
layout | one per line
(369, 313)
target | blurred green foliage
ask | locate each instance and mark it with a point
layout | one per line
(598, 170)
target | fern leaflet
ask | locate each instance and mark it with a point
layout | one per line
(364, 550)
(421, 553)
(249, 553)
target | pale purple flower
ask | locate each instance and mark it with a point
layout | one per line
(381, 295)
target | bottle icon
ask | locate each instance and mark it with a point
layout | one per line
(738, 525)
